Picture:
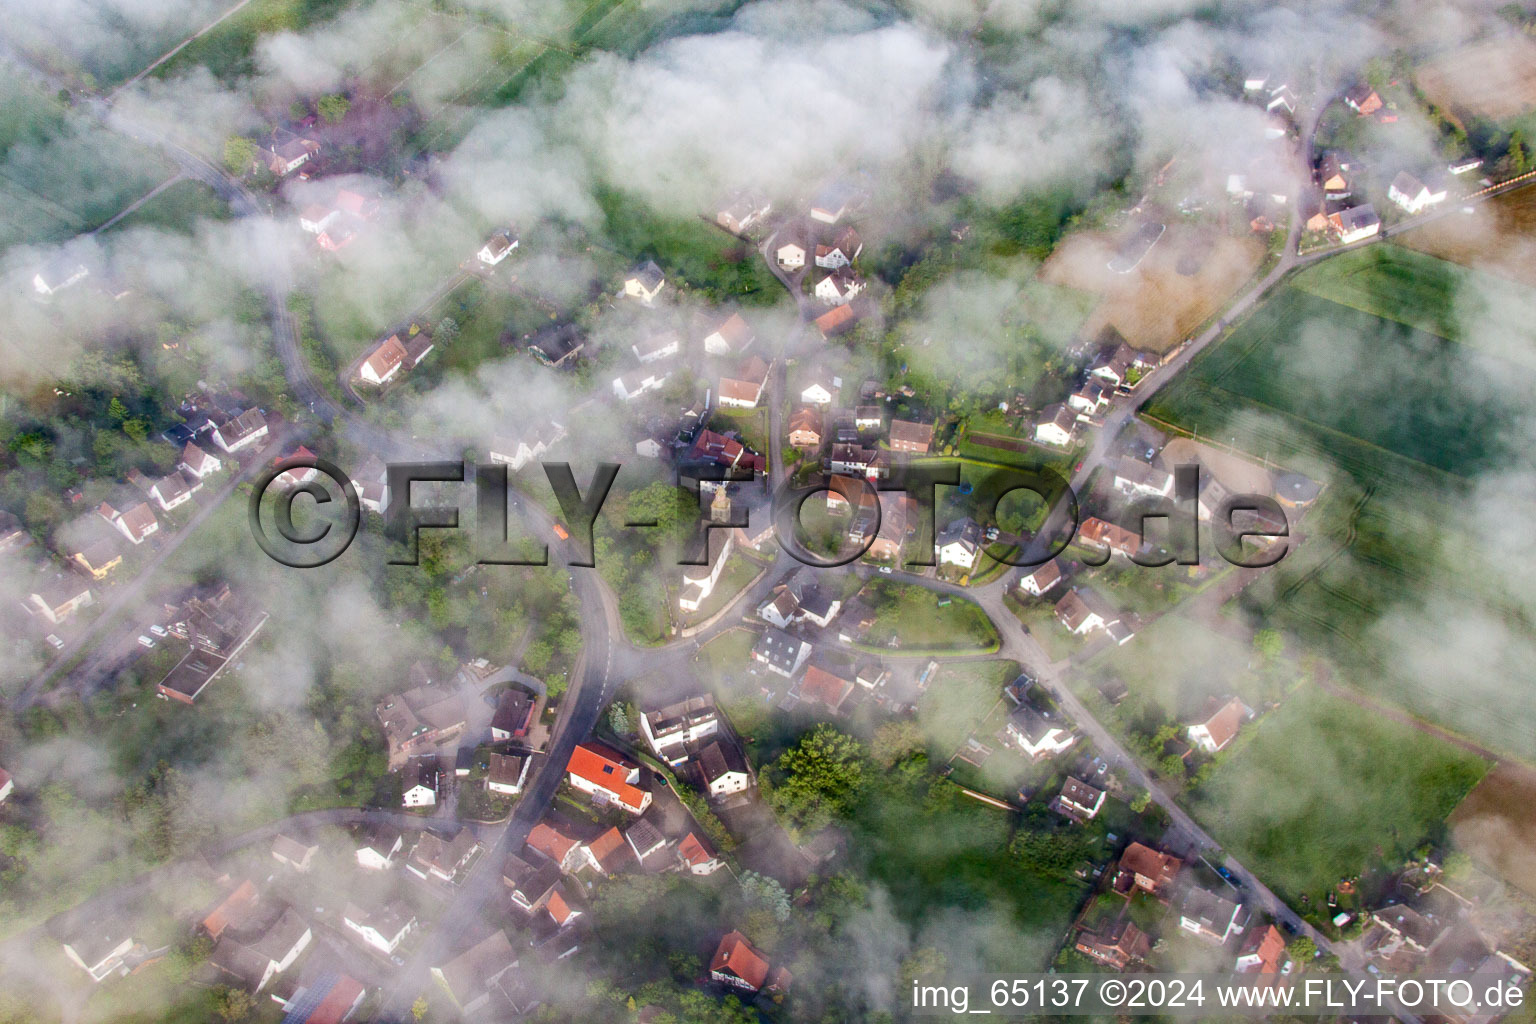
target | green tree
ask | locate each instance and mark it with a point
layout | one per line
(1172, 766)
(447, 329)
(765, 893)
(1142, 802)
(1302, 949)
(1517, 157)
(333, 107)
(618, 719)
(419, 1008)
(821, 777)
(233, 1005)
(1269, 644)
(239, 154)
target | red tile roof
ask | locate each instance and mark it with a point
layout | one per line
(558, 908)
(551, 843)
(338, 1002)
(693, 851)
(607, 770)
(735, 955)
(1268, 945)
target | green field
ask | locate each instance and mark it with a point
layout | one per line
(182, 207)
(1321, 789)
(1408, 431)
(912, 613)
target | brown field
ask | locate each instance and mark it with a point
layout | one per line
(1186, 277)
(1495, 79)
(1496, 827)
(1500, 238)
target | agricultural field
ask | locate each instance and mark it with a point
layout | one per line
(1494, 79)
(1177, 286)
(59, 174)
(1398, 423)
(1495, 239)
(1386, 786)
(181, 207)
(1493, 824)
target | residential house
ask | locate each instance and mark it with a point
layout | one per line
(790, 252)
(1116, 365)
(743, 390)
(471, 979)
(837, 321)
(658, 345)
(172, 491)
(1210, 916)
(217, 625)
(805, 426)
(1137, 479)
(283, 158)
(514, 715)
(7, 785)
(234, 909)
(1282, 98)
(671, 730)
(1263, 952)
(569, 853)
(823, 687)
(1408, 928)
(1355, 224)
(1083, 611)
(136, 521)
(697, 856)
(99, 948)
(295, 853)
(506, 774)
(858, 461)
(257, 953)
(1039, 580)
(1151, 871)
(1333, 173)
(644, 839)
(959, 544)
(645, 282)
(13, 536)
(498, 247)
(1412, 194)
(383, 928)
(197, 462)
(421, 782)
(914, 438)
(435, 857)
(1118, 945)
(738, 964)
(1080, 800)
(316, 217)
(822, 391)
(1213, 734)
(832, 202)
(709, 446)
(630, 386)
(530, 882)
(743, 210)
(327, 998)
(57, 595)
(419, 720)
(1091, 398)
(868, 418)
(779, 652)
(609, 852)
(560, 909)
(384, 361)
(1117, 539)
(377, 847)
(818, 605)
(845, 248)
(723, 769)
(58, 275)
(241, 431)
(556, 345)
(515, 453)
(782, 607)
(732, 337)
(1362, 99)
(1056, 425)
(1036, 734)
(839, 287)
(604, 775)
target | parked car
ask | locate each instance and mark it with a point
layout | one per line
(54, 642)
(146, 641)
(159, 631)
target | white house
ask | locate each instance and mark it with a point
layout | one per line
(317, 218)
(1036, 735)
(240, 432)
(842, 252)
(418, 786)
(1089, 399)
(507, 774)
(791, 255)
(645, 282)
(723, 769)
(497, 248)
(1041, 579)
(1355, 224)
(1055, 425)
(384, 929)
(732, 336)
(821, 392)
(635, 383)
(7, 785)
(959, 544)
(383, 362)
(377, 850)
(657, 346)
(198, 462)
(1412, 194)
(171, 491)
(698, 586)
(602, 773)
(669, 731)
(1213, 734)
(58, 275)
(839, 287)
(1081, 799)
(1212, 917)
(1137, 479)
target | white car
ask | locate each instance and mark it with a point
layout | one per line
(146, 641)
(159, 631)
(54, 642)
(885, 569)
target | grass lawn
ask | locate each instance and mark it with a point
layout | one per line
(725, 656)
(958, 699)
(1322, 788)
(227, 50)
(1178, 663)
(750, 424)
(913, 614)
(739, 571)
